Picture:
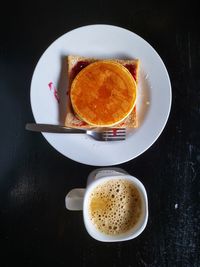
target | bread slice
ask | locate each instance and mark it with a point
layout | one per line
(75, 65)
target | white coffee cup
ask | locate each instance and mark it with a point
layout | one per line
(78, 199)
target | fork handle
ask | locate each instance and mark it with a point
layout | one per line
(49, 128)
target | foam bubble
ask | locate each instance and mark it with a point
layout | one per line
(117, 202)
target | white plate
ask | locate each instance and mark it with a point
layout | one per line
(102, 41)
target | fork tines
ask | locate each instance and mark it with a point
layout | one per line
(115, 134)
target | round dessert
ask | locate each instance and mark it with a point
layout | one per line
(103, 93)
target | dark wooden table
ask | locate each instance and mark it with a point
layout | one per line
(35, 227)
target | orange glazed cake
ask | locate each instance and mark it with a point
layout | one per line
(101, 93)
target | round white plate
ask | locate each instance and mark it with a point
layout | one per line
(101, 41)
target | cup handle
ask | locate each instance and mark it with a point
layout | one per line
(74, 199)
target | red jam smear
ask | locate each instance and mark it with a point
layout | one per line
(82, 64)
(50, 84)
(78, 67)
(55, 91)
(131, 69)
(80, 124)
(114, 132)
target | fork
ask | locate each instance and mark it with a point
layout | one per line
(106, 134)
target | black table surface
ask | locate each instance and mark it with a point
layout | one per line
(35, 227)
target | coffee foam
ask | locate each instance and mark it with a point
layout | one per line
(115, 206)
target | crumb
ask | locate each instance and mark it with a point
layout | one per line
(176, 206)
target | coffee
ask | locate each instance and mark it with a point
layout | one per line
(115, 206)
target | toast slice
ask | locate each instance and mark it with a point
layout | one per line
(75, 65)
